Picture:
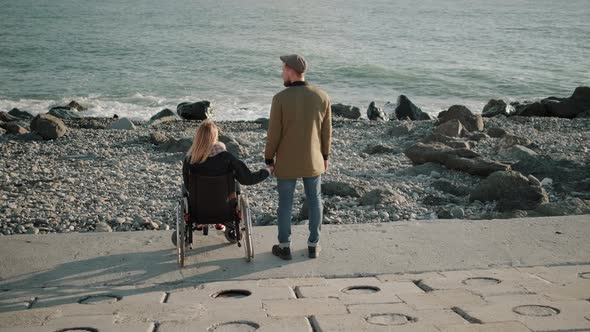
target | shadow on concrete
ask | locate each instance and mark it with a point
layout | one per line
(128, 274)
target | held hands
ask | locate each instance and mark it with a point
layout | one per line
(270, 169)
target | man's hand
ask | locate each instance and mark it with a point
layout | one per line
(270, 169)
(326, 165)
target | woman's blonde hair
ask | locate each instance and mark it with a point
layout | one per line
(205, 137)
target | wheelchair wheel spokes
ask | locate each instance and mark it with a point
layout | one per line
(181, 231)
(247, 228)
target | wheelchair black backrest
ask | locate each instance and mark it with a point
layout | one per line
(212, 199)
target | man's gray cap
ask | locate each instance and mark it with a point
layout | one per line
(295, 61)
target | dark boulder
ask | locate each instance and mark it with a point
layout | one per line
(585, 114)
(14, 129)
(48, 126)
(346, 111)
(496, 107)
(22, 115)
(5, 117)
(459, 159)
(375, 113)
(534, 109)
(469, 120)
(163, 114)
(511, 190)
(406, 109)
(74, 105)
(200, 110)
(64, 113)
(561, 108)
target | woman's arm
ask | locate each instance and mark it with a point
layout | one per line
(243, 173)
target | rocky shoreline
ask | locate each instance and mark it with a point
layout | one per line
(73, 174)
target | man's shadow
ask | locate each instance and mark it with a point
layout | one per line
(127, 274)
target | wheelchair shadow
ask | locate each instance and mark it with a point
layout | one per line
(127, 274)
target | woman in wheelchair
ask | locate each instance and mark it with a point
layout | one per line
(207, 157)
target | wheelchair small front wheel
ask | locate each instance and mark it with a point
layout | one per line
(230, 235)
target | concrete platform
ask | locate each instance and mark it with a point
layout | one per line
(495, 275)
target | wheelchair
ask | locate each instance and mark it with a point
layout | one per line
(213, 200)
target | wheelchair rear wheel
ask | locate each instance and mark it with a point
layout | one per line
(182, 210)
(247, 228)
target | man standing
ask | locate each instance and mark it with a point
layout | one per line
(299, 136)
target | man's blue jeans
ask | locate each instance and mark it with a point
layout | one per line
(286, 188)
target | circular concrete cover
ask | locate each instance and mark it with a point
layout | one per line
(100, 299)
(361, 290)
(390, 319)
(232, 293)
(536, 310)
(481, 281)
(240, 326)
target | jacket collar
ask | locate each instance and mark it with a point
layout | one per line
(298, 83)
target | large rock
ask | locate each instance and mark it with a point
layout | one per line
(566, 174)
(459, 159)
(200, 110)
(165, 113)
(452, 128)
(534, 109)
(74, 105)
(375, 113)
(346, 111)
(471, 122)
(64, 113)
(174, 145)
(48, 126)
(159, 138)
(233, 146)
(14, 129)
(516, 152)
(453, 142)
(22, 115)
(333, 188)
(382, 196)
(562, 108)
(400, 129)
(496, 132)
(406, 109)
(496, 107)
(5, 117)
(122, 124)
(511, 140)
(511, 190)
